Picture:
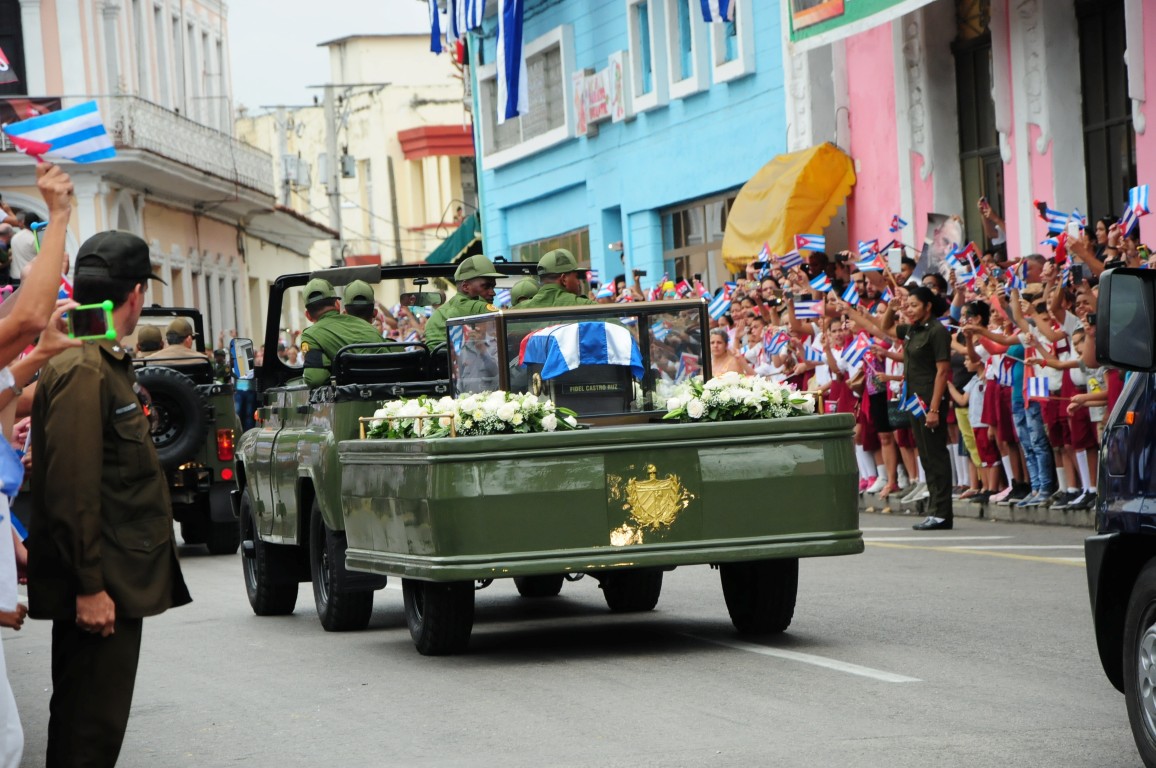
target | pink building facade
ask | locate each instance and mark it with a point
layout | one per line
(1013, 100)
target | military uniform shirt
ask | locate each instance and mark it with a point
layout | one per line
(924, 346)
(321, 341)
(552, 295)
(460, 305)
(102, 518)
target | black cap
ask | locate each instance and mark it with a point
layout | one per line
(114, 254)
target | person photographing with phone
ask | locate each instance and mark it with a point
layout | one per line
(101, 554)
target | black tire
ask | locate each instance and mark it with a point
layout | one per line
(180, 422)
(221, 538)
(539, 586)
(340, 610)
(1140, 663)
(760, 596)
(440, 615)
(633, 590)
(267, 567)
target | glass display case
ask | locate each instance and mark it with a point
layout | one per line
(597, 360)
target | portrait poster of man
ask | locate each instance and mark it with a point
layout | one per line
(943, 232)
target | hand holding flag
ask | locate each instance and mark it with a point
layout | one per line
(75, 134)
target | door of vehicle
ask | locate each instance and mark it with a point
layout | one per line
(294, 415)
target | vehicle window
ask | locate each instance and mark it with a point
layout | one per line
(1130, 325)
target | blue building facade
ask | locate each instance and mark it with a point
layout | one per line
(644, 121)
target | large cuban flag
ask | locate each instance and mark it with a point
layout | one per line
(562, 348)
(75, 134)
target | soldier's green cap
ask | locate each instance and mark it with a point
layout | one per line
(358, 292)
(151, 335)
(558, 262)
(475, 266)
(524, 289)
(318, 289)
(180, 327)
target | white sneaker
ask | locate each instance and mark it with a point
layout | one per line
(904, 480)
(997, 498)
(879, 484)
(919, 494)
(914, 494)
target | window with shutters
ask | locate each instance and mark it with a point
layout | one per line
(645, 33)
(733, 44)
(548, 119)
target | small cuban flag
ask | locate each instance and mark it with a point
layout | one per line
(810, 243)
(813, 355)
(1005, 376)
(873, 263)
(808, 310)
(953, 260)
(457, 337)
(764, 253)
(850, 295)
(1066, 275)
(75, 134)
(1080, 219)
(659, 330)
(592, 276)
(1056, 220)
(719, 306)
(854, 352)
(1128, 221)
(1052, 241)
(897, 223)
(868, 247)
(683, 289)
(775, 342)
(914, 405)
(1038, 388)
(887, 296)
(790, 260)
(1138, 200)
(605, 292)
(822, 283)
(718, 11)
(700, 289)
(502, 297)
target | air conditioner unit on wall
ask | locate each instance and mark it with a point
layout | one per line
(348, 167)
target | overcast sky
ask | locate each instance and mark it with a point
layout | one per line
(274, 49)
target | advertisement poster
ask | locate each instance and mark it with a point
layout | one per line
(820, 22)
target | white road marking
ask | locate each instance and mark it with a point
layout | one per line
(1018, 546)
(808, 658)
(936, 538)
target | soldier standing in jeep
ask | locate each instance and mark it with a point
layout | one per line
(331, 330)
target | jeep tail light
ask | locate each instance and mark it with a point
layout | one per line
(225, 444)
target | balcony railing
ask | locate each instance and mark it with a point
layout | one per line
(136, 123)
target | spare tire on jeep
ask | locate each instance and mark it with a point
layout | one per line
(180, 421)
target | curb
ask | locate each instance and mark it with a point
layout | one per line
(1079, 518)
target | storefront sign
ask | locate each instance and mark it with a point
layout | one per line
(601, 95)
(820, 22)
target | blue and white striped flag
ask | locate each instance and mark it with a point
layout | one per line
(464, 15)
(790, 260)
(810, 243)
(914, 405)
(457, 336)
(1078, 217)
(952, 258)
(808, 310)
(1038, 387)
(1052, 241)
(897, 223)
(868, 247)
(562, 348)
(822, 283)
(513, 98)
(1015, 282)
(1055, 219)
(719, 306)
(1138, 199)
(435, 27)
(850, 295)
(887, 296)
(75, 134)
(764, 253)
(813, 355)
(1005, 376)
(659, 330)
(502, 297)
(854, 352)
(718, 10)
(775, 342)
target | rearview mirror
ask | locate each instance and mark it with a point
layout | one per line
(241, 353)
(423, 299)
(1125, 313)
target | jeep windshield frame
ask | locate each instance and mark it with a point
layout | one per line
(275, 373)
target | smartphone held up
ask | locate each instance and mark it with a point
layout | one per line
(91, 321)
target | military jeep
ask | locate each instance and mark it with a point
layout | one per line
(194, 430)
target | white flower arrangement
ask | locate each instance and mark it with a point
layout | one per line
(734, 397)
(485, 413)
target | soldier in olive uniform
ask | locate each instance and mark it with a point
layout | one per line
(330, 331)
(523, 290)
(358, 300)
(148, 341)
(561, 284)
(476, 278)
(101, 554)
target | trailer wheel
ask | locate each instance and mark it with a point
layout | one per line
(539, 586)
(632, 591)
(222, 536)
(1140, 663)
(270, 589)
(760, 596)
(440, 615)
(340, 609)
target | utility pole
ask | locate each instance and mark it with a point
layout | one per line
(333, 171)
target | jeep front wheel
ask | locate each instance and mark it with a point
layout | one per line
(269, 584)
(440, 615)
(340, 609)
(760, 595)
(633, 590)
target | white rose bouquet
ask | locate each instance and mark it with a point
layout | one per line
(485, 413)
(735, 397)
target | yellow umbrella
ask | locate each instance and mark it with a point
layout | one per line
(794, 194)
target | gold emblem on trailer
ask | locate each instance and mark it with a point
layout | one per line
(653, 505)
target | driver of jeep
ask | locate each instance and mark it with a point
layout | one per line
(476, 277)
(179, 350)
(331, 330)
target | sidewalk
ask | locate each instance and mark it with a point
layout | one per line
(1081, 518)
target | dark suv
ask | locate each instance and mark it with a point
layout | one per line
(195, 429)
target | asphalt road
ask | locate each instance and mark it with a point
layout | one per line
(965, 648)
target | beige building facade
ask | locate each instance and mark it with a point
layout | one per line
(159, 71)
